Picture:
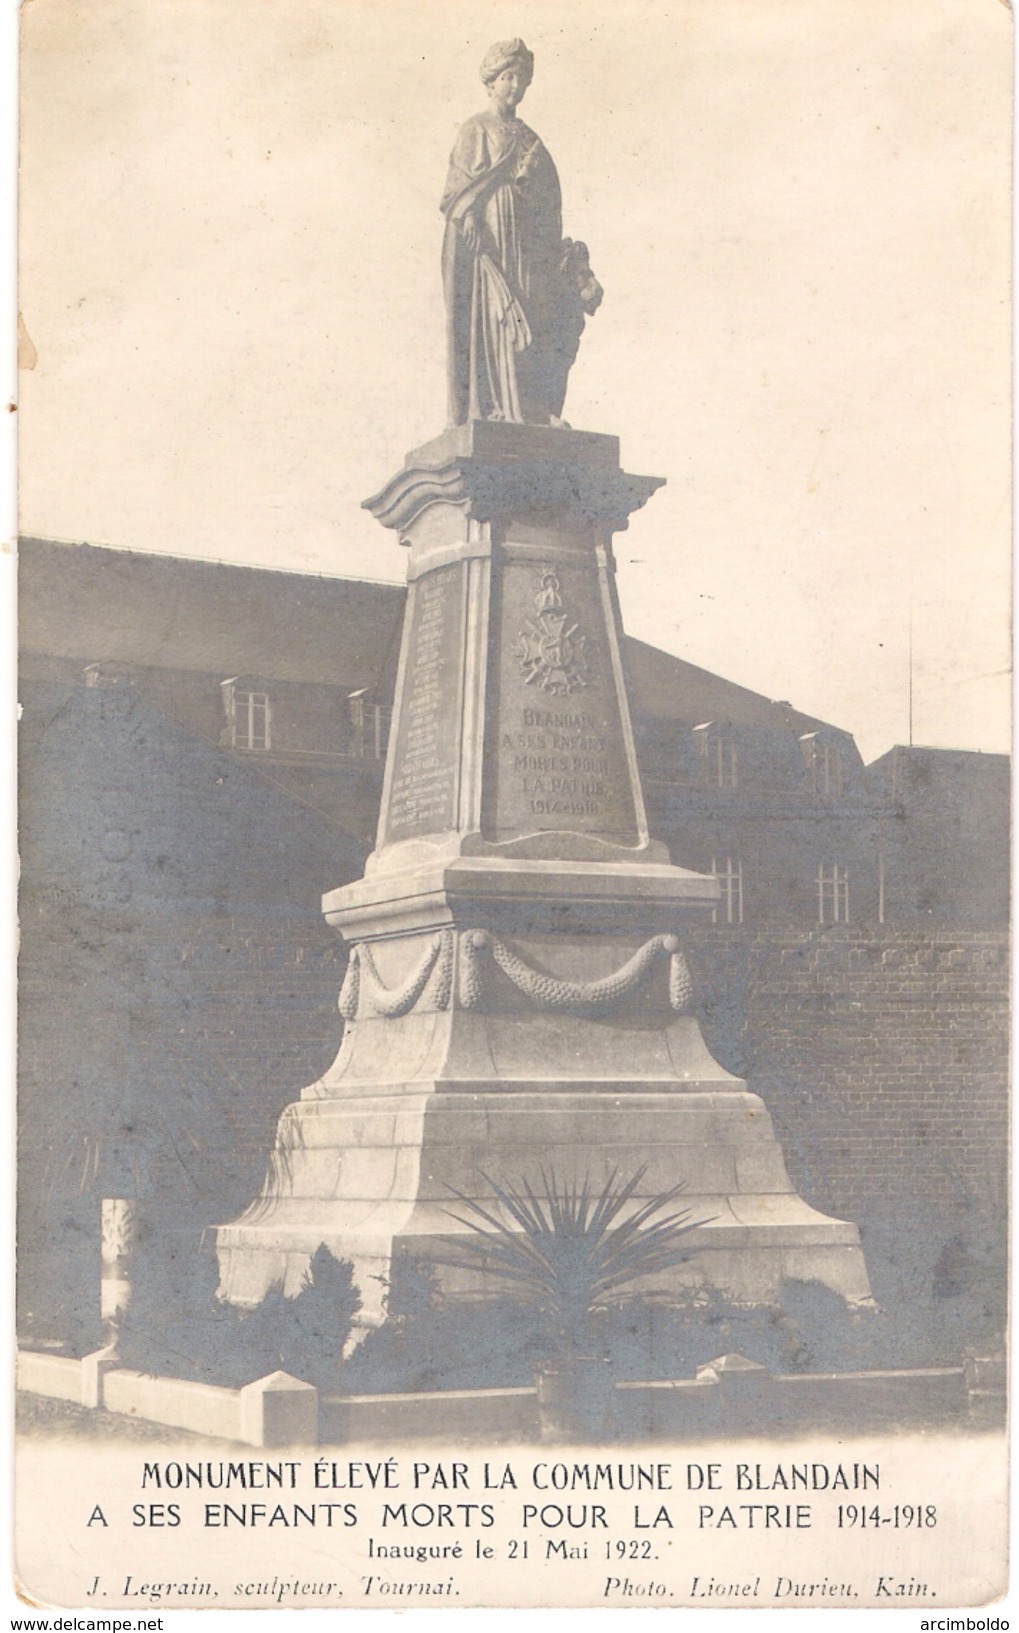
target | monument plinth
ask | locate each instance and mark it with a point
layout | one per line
(517, 995)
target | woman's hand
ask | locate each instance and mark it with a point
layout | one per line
(470, 234)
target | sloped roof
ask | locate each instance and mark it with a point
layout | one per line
(89, 602)
(669, 688)
(86, 603)
(928, 760)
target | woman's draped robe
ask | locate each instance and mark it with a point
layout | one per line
(502, 305)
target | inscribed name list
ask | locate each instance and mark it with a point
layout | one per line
(422, 798)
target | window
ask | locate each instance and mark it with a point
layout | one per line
(248, 715)
(832, 894)
(825, 764)
(252, 720)
(729, 873)
(719, 759)
(370, 722)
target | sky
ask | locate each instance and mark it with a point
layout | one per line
(799, 210)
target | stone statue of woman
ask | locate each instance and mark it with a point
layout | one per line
(516, 290)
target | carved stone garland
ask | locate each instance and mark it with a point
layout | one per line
(365, 996)
(571, 997)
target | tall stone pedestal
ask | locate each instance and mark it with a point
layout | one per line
(517, 997)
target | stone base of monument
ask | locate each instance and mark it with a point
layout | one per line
(372, 1177)
(517, 998)
(479, 1054)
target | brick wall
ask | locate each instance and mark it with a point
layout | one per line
(881, 1054)
(263, 1017)
(155, 1063)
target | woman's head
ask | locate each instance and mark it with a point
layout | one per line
(508, 54)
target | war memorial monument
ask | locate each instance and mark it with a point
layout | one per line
(517, 1002)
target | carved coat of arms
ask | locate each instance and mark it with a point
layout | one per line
(550, 648)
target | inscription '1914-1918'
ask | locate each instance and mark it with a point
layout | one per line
(561, 761)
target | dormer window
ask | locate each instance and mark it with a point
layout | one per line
(108, 673)
(370, 723)
(248, 710)
(825, 764)
(716, 746)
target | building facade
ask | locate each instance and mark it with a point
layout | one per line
(202, 748)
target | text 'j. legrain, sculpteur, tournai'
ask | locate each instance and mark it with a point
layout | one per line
(516, 290)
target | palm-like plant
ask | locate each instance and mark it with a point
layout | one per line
(574, 1251)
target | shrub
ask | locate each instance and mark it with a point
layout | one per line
(571, 1253)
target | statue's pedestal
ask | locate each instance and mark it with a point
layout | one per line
(517, 996)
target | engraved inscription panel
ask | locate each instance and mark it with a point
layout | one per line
(423, 794)
(556, 753)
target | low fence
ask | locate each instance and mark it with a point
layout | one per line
(729, 1395)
